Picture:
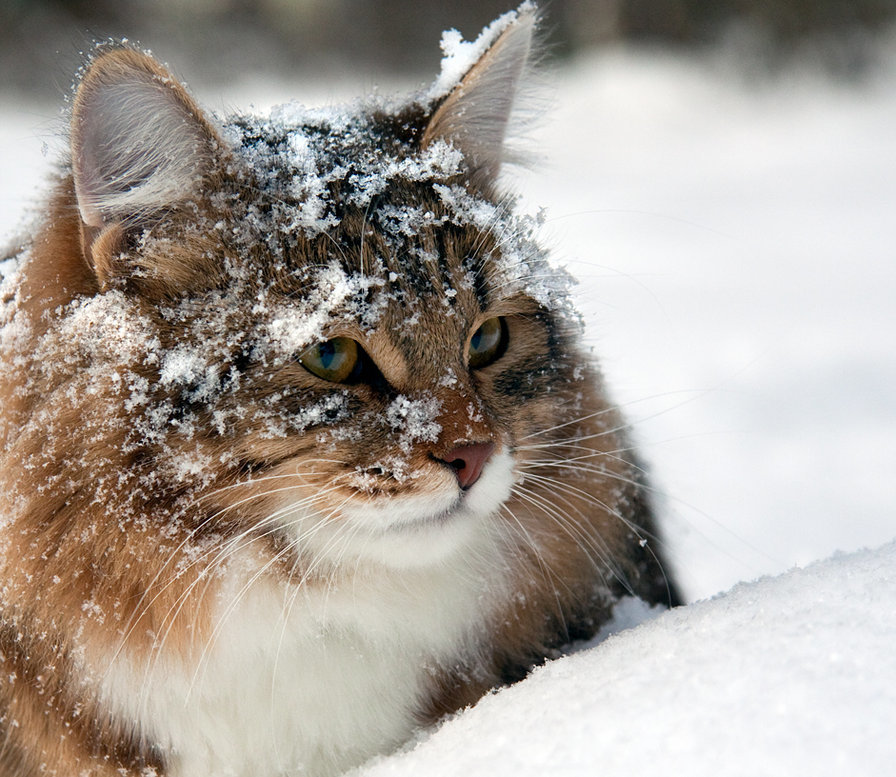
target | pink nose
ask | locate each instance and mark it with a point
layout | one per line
(467, 461)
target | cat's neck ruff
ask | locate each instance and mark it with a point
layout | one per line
(325, 674)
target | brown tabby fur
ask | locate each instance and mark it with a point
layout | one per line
(106, 549)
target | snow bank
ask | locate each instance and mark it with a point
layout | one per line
(792, 675)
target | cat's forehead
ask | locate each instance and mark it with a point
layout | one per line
(329, 162)
(349, 193)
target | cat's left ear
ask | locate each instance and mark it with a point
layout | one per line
(139, 144)
(475, 114)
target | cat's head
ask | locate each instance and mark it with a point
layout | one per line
(329, 326)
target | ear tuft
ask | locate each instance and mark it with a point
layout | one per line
(475, 114)
(139, 143)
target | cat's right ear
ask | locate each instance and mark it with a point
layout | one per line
(139, 146)
(474, 116)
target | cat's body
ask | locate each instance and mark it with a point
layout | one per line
(300, 451)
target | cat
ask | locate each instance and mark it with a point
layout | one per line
(300, 447)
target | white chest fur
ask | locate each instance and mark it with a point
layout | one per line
(310, 682)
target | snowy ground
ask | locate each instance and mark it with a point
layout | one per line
(735, 242)
(787, 677)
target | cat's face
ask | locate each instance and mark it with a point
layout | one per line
(368, 377)
(326, 329)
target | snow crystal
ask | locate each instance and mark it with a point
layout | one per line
(438, 160)
(9, 269)
(108, 326)
(460, 55)
(185, 366)
(291, 328)
(414, 419)
(186, 466)
(522, 264)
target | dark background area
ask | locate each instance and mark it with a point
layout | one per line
(41, 40)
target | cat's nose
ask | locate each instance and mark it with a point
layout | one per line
(467, 461)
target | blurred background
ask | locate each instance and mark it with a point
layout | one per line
(720, 176)
(217, 40)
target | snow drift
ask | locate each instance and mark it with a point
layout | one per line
(788, 675)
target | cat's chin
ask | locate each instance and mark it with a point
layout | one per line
(419, 530)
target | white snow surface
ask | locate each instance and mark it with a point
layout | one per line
(734, 241)
(784, 676)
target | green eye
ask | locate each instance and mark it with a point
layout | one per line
(337, 360)
(488, 342)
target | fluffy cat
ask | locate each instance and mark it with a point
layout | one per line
(300, 450)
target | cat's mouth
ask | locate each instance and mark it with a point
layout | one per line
(423, 519)
(417, 528)
(436, 501)
(431, 516)
(455, 511)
